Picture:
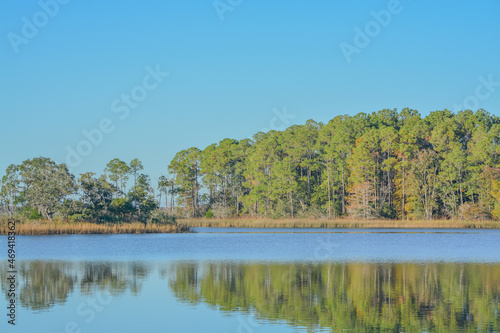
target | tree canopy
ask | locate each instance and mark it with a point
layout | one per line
(387, 164)
(40, 188)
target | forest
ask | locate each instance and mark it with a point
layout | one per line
(387, 164)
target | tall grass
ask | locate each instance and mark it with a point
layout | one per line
(41, 227)
(339, 223)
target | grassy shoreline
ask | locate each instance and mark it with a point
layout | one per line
(339, 223)
(86, 228)
(42, 227)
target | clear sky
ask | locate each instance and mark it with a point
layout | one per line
(235, 68)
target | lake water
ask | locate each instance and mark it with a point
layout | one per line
(257, 280)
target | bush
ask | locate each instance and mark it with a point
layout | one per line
(161, 216)
(209, 214)
(388, 212)
(220, 212)
(470, 211)
(361, 211)
(76, 218)
(317, 212)
(281, 210)
(33, 214)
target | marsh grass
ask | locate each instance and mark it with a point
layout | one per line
(340, 223)
(42, 227)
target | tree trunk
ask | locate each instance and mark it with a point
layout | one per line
(403, 196)
(389, 178)
(193, 204)
(329, 196)
(237, 206)
(343, 190)
(172, 200)
(375, 185)
(334, 210)
(309, 185)
(224, 191)
(461, 194)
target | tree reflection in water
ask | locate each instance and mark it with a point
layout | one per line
(42, 284)
(360, 296)
(410, 297)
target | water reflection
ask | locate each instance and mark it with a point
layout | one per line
(42, 284)
(114, 278)
(410, 297)
(360, 296)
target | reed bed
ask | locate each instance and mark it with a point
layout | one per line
(340, 223)
(86, 228)
(41, 227)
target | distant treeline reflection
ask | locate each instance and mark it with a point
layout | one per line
(43, 284)
(399, 297)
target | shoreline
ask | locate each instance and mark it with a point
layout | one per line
(44, 228)
(340, 223)
(41, 227)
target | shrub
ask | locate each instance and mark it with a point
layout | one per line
(219, 211)
(470, 211)
(34, 214)
(161, 216)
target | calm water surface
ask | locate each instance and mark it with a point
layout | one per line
(258, 280)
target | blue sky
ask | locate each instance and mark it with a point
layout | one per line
(231, 70)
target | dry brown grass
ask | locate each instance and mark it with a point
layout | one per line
(339, 223)
(40, 227)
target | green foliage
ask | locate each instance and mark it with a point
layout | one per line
(185, 168)
(118, 173)
(140, 196)
(31, 213)
(39, 183)
(122, 208)
(209, 214)
(134, 167)
(96, 197)
(160, 216)
(40, 188)
(386, 164)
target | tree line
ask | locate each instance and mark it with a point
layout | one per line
(40, 188)
(387, 164)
